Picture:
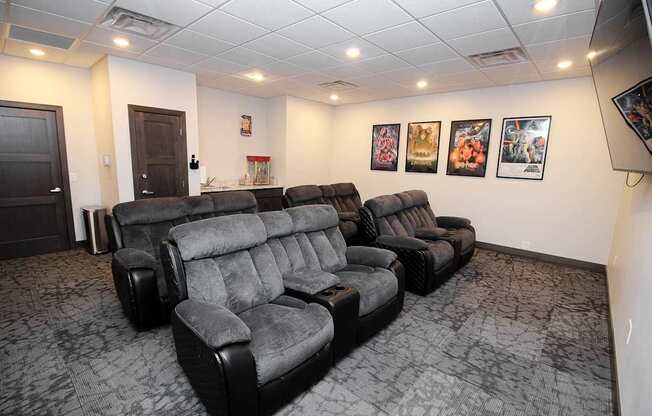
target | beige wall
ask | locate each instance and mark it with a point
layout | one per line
(630, 290)
(276, 135)
(143, 84)
(570, 213)
(221, 147)
(43, 83)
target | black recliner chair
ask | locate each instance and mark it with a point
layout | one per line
(430, 248)
(136, 230)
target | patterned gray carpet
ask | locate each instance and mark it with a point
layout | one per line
(506, 336)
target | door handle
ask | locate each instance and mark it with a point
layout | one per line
(55, 190)
(146, 192)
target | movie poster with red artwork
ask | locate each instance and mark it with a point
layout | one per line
(384, 146)
(468, 147)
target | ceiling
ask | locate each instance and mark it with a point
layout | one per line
(298, 44)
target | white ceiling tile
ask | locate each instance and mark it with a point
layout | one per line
(366, 16)
(199, 43)
(270, 14)
(178, 12)
(425, 54)
(504, 74)
(86, 54)
(244, 56)
(84, 10)
(406, 75)
(367, 50)
(21, 49)
(316, 32)
(383, 63)
(583, 71)
(173, 56)
(408, 35)
(547, 55)
(47, 22)
(313, 78)
(521, 11)
(218, 65)
(105, 37)
(461, 77)
(321, 5)
(282, 69)
(422, 8)
(556, 28)
(467, 20)
(448, 67)
(346, 72)
(277, 46)
(228, 28)
(484, 42)
(314, 60)
(374, 81)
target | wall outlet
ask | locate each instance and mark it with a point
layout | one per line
(628, 331)
(526, 245)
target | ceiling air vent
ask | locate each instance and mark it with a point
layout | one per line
(42, 38)
(496, 58)
(136, 23)
(338, 85)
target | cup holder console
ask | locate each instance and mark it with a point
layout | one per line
(328, 292)
(343, 303)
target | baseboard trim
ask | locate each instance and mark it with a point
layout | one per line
(615, 386)
(549, 258)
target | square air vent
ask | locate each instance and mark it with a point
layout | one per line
(338, 85)
(138, 24)
(42, 38)
(496, 58)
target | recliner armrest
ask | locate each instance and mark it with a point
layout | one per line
(131, 258)
(431, 233)
(401, 242)
(215, 325)
(453, 222)
(310, 282)
(370, 256)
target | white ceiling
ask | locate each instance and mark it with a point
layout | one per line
(298, 44)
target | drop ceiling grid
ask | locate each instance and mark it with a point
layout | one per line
(302, 13)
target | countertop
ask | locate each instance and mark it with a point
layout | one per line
(211, 189)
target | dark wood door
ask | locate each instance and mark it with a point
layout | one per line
(35, 214)
(158, 152)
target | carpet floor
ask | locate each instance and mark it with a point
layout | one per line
(505, 336)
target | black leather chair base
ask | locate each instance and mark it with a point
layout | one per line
(466, 258)
(344, 304)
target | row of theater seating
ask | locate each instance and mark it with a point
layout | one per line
(261, 304)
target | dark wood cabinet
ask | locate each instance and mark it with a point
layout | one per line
(269, 199)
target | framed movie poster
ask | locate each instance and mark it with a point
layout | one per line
(384, 146)
(422, 147)
(245, 125)
(523, 147)
(468, 147)
(635, 105)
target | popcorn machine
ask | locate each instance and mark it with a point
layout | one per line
(258, 170)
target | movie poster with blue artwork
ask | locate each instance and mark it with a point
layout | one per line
(523, 147)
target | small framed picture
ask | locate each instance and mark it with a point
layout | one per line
(384, 146)
(468, 147)
(523, 147)
(423, 147)
(245, 125)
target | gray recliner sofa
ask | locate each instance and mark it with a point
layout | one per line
(234, 320)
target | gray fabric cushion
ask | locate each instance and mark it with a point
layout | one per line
(349, 215)
(131, 258)
(304, 195)
(453, 222)
(418, 197)
(376, 286)
(233, 201)
(284, 337)
(406, 199)
(214, 324)
(349, 229)
(467, 236)
(277, 223)
(370, 256)
(442, 252)
(310, 281)
(430, 233)
(384, 205)
(313, 218)
(285, 300)
(409, 243)
(218, 236)
(148, 211)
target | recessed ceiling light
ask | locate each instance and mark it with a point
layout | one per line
(422, 84)
(592, 54)
(37, 52)
(353, 52)
(255, 76)
(121, 42)
(545, 6)
(335, 97)
(564, 64)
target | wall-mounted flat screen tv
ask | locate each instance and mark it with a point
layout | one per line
(621, 63)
